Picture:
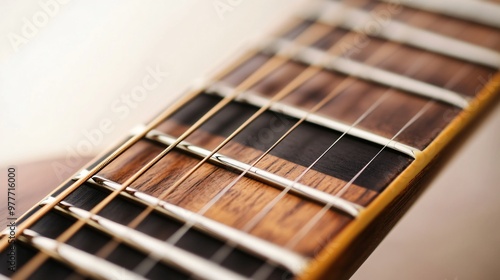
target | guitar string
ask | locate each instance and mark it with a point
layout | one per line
(183, 230)
(265, 270)
(273, 63)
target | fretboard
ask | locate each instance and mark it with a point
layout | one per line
(290, 163)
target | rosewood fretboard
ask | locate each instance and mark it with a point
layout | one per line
(274, 167)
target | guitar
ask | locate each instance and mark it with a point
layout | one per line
(294, 161)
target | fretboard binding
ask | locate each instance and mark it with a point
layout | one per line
(157, 249)
(84, 262)
(312, 56)
(336, 14)
(475, 11)
(254, 245)
(253, 98)
(340, 204)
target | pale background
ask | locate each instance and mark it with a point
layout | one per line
(77, 64)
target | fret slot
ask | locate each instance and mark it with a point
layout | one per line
(254, 99)
(157, 249)
(336, 14)
(312, 56)
(84, 262)
(338, 203)
(275, 254)
(476, 11)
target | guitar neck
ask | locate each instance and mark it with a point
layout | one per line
(293, 162)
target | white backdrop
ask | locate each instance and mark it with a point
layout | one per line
(75, 76)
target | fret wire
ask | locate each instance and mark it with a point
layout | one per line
(71, 256)
(36, 261)
(406, 34)
(253, 98)
(310, 55)
(317, 196)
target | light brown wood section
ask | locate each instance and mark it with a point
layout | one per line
(246, 198)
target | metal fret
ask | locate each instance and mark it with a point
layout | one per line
(80, 260)
(254, 99)
(269, 251)
(318, 196)
(336, 14)
(475, 11)
(161, 250)
(312, 56)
